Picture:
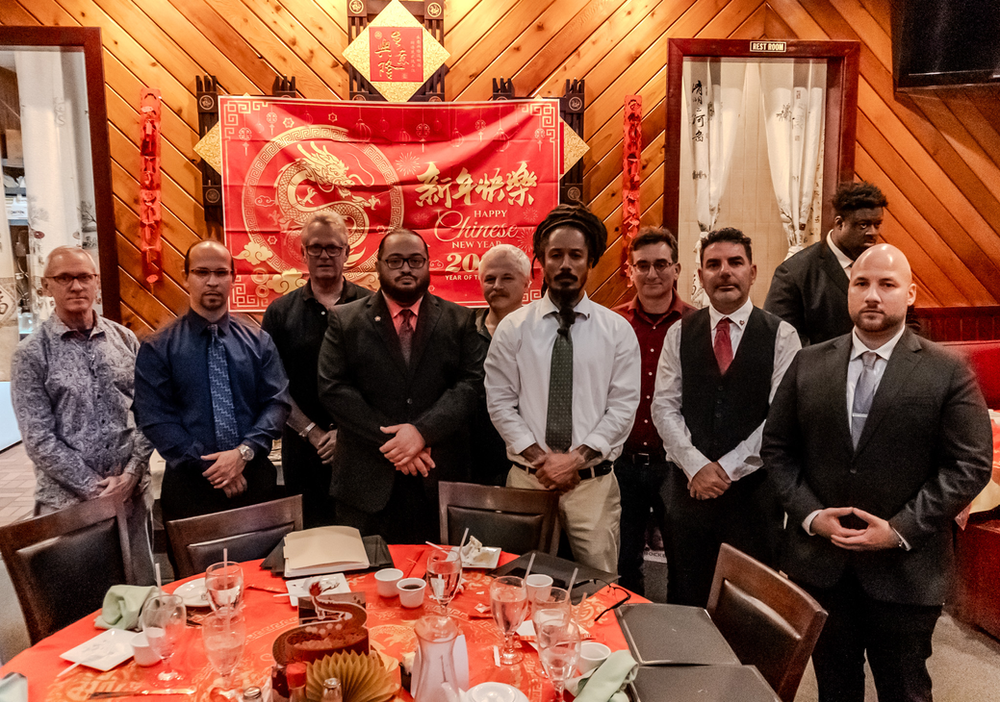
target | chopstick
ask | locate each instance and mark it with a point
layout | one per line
(62, 673)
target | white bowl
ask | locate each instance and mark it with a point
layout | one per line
(411, 592)
(386, 580)
(592, 654)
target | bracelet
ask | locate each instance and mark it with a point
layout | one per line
(305, 432)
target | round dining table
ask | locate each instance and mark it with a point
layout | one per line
(269, 613)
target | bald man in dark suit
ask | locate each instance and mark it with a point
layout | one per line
(875, 441)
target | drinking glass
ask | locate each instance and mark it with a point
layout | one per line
(224, 584)
(509, 602)
(559, 650)
(224, 632)
(163, 619)
(443, 575)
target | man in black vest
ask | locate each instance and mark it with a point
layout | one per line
(718, 371)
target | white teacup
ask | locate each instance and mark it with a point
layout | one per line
(142, 652)
(538, 585)
(386, 580)
(411, 592)
(592, 654)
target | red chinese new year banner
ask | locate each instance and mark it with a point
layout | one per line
(466, 176)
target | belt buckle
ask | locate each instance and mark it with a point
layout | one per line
(645, 459)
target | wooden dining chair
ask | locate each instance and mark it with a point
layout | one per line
(62, 564)
(769, 621)
(248, 532)
(516, 520)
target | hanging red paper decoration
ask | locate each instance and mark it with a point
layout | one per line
(150, 214)
(631, 171)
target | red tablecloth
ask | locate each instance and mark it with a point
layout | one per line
(390, 626)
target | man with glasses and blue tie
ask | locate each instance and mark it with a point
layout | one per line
(401, 373)
(211, 395)
(72, 387)
(297, 323)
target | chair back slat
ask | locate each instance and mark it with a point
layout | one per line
(516, 520)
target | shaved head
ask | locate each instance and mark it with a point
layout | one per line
(881, 289)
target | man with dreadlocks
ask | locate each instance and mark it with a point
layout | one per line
(562, 387)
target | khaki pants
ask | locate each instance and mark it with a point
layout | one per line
(589, 514)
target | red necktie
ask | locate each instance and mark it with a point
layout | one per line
(723, 345)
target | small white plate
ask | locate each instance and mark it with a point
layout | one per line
(488, 557)
(104, 651)
(335, 582)
(496, 692)
(194, 593)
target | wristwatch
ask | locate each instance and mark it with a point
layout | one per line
(246, 452)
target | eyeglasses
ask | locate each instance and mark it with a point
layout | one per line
(205, 273)
(659, 265)
(316, 250)
(65, 279)
(414, 262)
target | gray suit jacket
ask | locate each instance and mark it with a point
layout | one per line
(809, 291)
(925, 453)
(364, 383)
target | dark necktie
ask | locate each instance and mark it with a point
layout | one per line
(864, 393)
(226, 436)
(723, 345)
(559, 416)
(406, 333)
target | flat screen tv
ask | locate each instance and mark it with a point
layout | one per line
(945, 42)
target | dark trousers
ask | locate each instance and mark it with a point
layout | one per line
(640, 482)
(306, 475)
(747, 516)
(410, 516)
(186, 492)
(896, 637)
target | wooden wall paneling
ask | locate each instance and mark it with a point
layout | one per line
(146, 306)
(523, 31)
(210, 24)
(754, 26)
(798, 19)
(272, 50)
(916, 225)
(729, 19)
(169, 293)
(48, 13)
(456, 10)
(15, 15)
(330, 70)
(869, 32)
(326, 21)
(131, 320)
(462, 34)
(127, 223)
(775, 27)
(966, 110)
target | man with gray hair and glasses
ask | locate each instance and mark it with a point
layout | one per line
(72, 387)
(297, 323)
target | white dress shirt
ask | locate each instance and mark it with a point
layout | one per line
(606, 370)
(744, 459)
(843, 259)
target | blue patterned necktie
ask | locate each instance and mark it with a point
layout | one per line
(226, 436)
(559, 415)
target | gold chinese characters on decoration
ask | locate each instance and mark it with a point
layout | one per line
(395, 53)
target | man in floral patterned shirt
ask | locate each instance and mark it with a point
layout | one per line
(71, 385)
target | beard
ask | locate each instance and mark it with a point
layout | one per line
(406, 296)
(874, 324)
(565, 289)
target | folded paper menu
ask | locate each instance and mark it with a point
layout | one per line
(330, 549)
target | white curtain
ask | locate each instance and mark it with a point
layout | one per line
(58, 171)
(714, 90)
(8, 298)
(793, 94)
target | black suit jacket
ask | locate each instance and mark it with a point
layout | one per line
(809, 291)
(925, 453)
(364, 383)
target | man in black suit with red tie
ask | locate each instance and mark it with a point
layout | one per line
(401, 373)
(871, 492)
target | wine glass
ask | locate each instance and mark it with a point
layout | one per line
(224, 632)
(443, 575)
(224, 585)
(509, 602)
(163, 620)
(559, 650)
(555, 605)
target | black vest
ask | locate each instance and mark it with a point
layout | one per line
(723, 410)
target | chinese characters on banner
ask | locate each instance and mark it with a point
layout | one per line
(465, 176)
(397, 54)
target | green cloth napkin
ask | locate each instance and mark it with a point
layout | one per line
(122, 606)
(607, 681)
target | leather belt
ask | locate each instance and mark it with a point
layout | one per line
(585, 473)
(645, 459)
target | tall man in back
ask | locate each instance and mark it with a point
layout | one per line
(718, 371)
(211, 395)
(401, 373)
(297, 323)
(562, 387)
(876, 440)
(642, 467)
(809, 290)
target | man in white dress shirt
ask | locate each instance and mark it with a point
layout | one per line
(562, 387)
(718, 371)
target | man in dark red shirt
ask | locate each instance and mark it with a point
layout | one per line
(653, 270)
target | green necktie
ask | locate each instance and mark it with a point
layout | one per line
(559, 418)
